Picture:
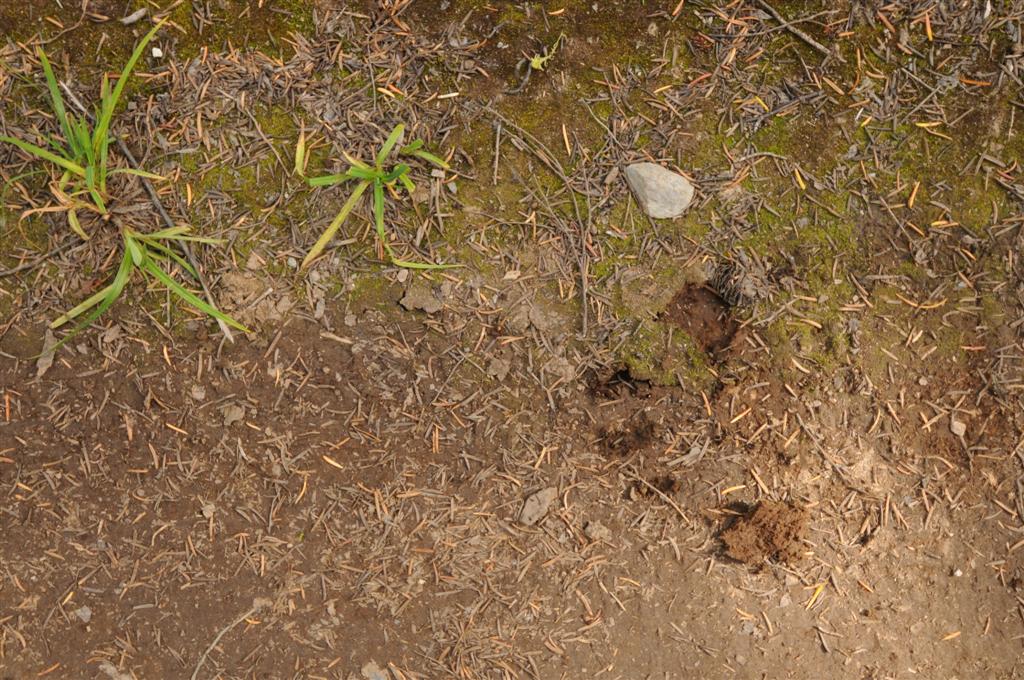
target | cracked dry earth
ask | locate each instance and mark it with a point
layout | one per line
(780, 437)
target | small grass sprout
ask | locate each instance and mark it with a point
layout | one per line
(378, 179)
(82, 153)
(144, 253)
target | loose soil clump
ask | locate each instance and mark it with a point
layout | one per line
(773, 531)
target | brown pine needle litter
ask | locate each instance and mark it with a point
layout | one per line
(777, 435)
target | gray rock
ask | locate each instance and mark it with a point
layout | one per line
(537, 505)
(371, 671)
(84, 614)
(420, 295)
(233, 413)
(957, 427)
(596, 531)
(111, 671)
(46, 355)
(499, 368)
(661, 193)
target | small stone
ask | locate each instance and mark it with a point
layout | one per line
(661, 193)
(420, 295)
(371, 671)
(45, 360)
(957, 427)
(233, 413)
(292, 262)
(537, 505)
(596, 531)
(84, 614)
(499, 368)
(254, 262)
(198, 392)
(111, 671)
(158, 53)
(134, 16)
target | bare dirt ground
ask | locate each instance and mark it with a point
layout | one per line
(781, 436)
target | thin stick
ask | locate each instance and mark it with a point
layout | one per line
(257, 604)
(793, 29)
(664, 497)
(32, 264)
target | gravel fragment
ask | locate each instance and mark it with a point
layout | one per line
(661, 193)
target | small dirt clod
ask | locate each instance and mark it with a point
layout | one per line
(773, 531)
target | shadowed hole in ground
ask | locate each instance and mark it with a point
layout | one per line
(704, 316)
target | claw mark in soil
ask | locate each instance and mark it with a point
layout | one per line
(666, 484)
(630, 436)
(618, 384)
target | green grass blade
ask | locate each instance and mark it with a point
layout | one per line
(110, 102)
(421, 265)
(161, 250)
(45, 155)
(188, 296)
(411, 147)
(332, 229)
(61, 150)
(102, 165)
(385, 150)
(56, 99)
(76, 226)
(81, 144)
(98, 200)
(378, 213)
(137, 173)
(328, 180)
(168, 233)
(431, 158)
(300, 154)
(396, 172)
(368, 174)
(88, 303)
(179, 233)
(104, 298)
(135, 250)
(355, 161)
(378, 217)
(113, 292)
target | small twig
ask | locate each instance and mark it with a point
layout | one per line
(793, 29)
(32, 264)
(675, 506)
(257, 604)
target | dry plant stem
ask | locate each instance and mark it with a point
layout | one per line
(664, 497)
(32, 264)
(257, 605)
(793, 29)
(166, 218)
